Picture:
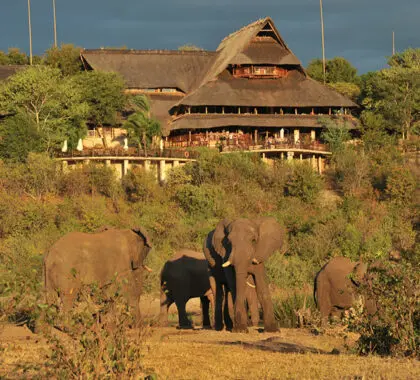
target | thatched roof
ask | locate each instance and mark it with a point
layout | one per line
(8, 70)
(152, 68)
(295, 90)
(195, 121)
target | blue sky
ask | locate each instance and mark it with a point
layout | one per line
(359, 30)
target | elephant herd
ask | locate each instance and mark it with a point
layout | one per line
(229, 274)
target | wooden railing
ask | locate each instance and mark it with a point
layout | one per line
(130, 152)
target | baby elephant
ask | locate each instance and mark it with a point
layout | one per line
(184, 276)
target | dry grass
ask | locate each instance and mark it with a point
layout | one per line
(200, 354)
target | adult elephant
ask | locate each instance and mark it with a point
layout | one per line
(335, 287)
(111, 255)
(236, 249)
(185, 276)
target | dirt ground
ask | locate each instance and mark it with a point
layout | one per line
(169, 353)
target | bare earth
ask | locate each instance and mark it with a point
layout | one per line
(202, 354)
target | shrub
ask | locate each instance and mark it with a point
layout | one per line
(400, 185)
(140, 185)
(196, 200)
(104, 346)
(294, 311)
(304, 183)
(395, 328)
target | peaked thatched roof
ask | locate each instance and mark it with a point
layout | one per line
(232, 49)
(295, 90)
(152, 68)
(8, 70)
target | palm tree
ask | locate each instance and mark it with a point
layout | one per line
(140, 125)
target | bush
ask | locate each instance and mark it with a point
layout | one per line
(400, 185)
(304, 183)
(103, 342)
(140, 185)
(395, 328)
(294, 311)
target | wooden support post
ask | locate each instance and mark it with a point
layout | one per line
(266, 135)
(147, 165)
(176, 163)
(107, 162)
(296, 135)
(296, 112)
(207, 110)
(301, 156)
(313, 161)
(290, 156)
(313, 135)
(124, 168)
(319, 164)
(223, 110)
(282, 156)
(189, 137)
(65, 166)
(282, 133)
(255, 111)
(255, 136)
(189, 110)
(329, 111)
(239, 110)
(162, 170)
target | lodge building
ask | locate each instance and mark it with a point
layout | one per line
(251, 93)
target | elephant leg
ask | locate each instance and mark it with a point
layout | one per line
(228, 312)
(218, 308)
(205, 311)
(241, 318)
(165, 303)
(252, 301)
(263, 292)
(183, 321)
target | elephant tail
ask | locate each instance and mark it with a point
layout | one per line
(315, 289)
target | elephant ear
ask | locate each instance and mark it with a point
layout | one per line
(358, 273)
(138, 257)
(143, 234)
(271, 237)
(219, 236)
(208, 250)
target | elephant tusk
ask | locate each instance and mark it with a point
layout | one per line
(251, 285)
(255, 261)
(147, 268)
(226, 264)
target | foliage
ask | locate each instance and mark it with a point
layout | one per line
(66, 58)
(394, 93)
(400, 185)
(350, 90)
(18, 137)
(395, 328)
(304, 182)
(294, 311)
(13, 57)
(335, 133)
(53, 104)
(140, 185)
(190, 47)
(140, 125)
(103, 92)
(99, 325)
(409, 59)
(337, 70)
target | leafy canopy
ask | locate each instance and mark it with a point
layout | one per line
(53, 104)
(66, 58)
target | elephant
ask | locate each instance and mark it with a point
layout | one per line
(335, 287)
(82, 258)
(185, 276)
(234, 250)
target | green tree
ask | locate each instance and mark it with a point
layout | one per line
(350, 90)
(337, 70)
(16, 57)
(335, 133)
(394, 93)
(66, 58)
(140, 125)
(408, 59)
(53, 104)
(18, 137)
(104, 93)
(4, 59)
